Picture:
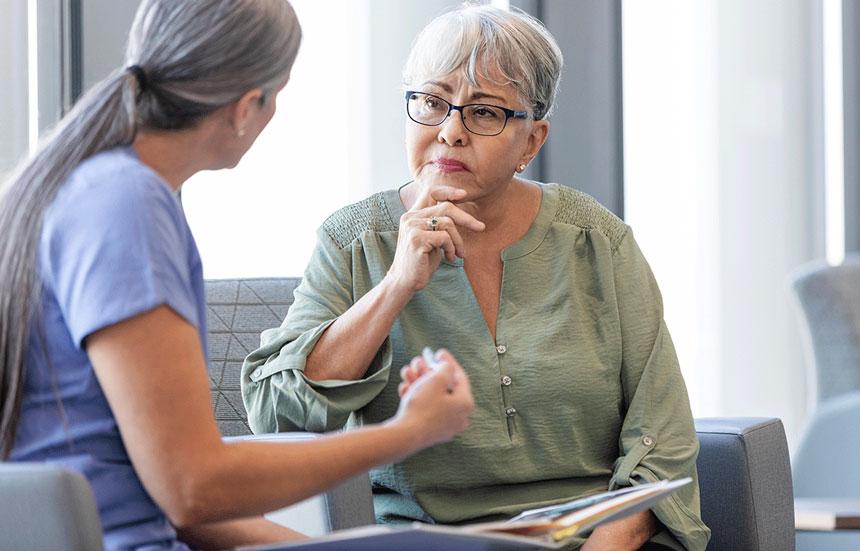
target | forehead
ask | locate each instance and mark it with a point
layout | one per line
(456, 85)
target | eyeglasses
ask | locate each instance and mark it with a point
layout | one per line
(478, 118)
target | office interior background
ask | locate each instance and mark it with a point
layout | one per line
(725, 132)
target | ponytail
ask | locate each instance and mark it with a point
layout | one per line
(186, 59)
(103, 119)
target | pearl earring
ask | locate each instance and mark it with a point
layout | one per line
(521, 168)
(240, 133)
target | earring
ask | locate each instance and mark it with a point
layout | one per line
(521, 167)
(240, 133)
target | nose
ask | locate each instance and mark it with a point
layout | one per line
(452, 130)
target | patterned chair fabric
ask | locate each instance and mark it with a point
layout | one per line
(238, 311)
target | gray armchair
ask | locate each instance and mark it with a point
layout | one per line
(743, 464)
(825, 462)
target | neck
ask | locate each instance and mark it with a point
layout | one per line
(175, 155)
(494, 209)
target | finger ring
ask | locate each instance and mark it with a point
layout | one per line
(433, 223)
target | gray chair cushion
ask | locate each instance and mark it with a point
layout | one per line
(44, 506)
(238, 311)
(745, 481)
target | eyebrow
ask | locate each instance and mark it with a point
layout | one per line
(475, 95)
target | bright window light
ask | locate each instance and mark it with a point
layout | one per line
(258, 219)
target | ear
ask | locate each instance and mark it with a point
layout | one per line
(537, 137)
(242, 109)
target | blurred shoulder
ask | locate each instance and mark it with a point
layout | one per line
(113, 191)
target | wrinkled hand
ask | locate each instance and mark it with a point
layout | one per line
(419, 247)
(437, 402)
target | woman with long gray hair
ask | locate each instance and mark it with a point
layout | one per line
(102, 311)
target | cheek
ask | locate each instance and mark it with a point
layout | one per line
(498, 158)
(417, 142)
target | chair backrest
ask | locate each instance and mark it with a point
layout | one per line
(829, 300)
(238, 311)
(43, 506)
(745, 484)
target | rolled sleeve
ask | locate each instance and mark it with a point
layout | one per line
(277, 394)
(658, 439)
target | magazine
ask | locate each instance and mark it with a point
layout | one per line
(545, 528)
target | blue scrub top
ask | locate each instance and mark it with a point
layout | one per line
(114, 244)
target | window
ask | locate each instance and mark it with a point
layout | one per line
(15, 108)
(259, 219)
(722, 189)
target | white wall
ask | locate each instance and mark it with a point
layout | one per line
(392, 26)
(721, 189)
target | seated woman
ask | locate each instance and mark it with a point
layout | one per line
(109, 377)
(541, 293)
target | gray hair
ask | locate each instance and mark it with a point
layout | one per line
(192, 57)
(480, 40)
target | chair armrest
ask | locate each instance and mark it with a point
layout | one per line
(348, 505)
(745, 482)
(44, 506)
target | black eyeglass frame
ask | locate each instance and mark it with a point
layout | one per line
(509, 113)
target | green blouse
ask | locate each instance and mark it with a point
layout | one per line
(579, 392)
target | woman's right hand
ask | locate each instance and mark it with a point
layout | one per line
(437, 405)
(419, 246)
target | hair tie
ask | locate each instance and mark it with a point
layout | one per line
(140, 75)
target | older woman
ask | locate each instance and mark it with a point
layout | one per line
(541, 292)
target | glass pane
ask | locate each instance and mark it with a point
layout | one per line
(14, 104)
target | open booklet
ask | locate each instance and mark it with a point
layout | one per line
(544, 528)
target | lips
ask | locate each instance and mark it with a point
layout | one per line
(449, 165)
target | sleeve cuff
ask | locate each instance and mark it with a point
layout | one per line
(300, 403)
(683, 524)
